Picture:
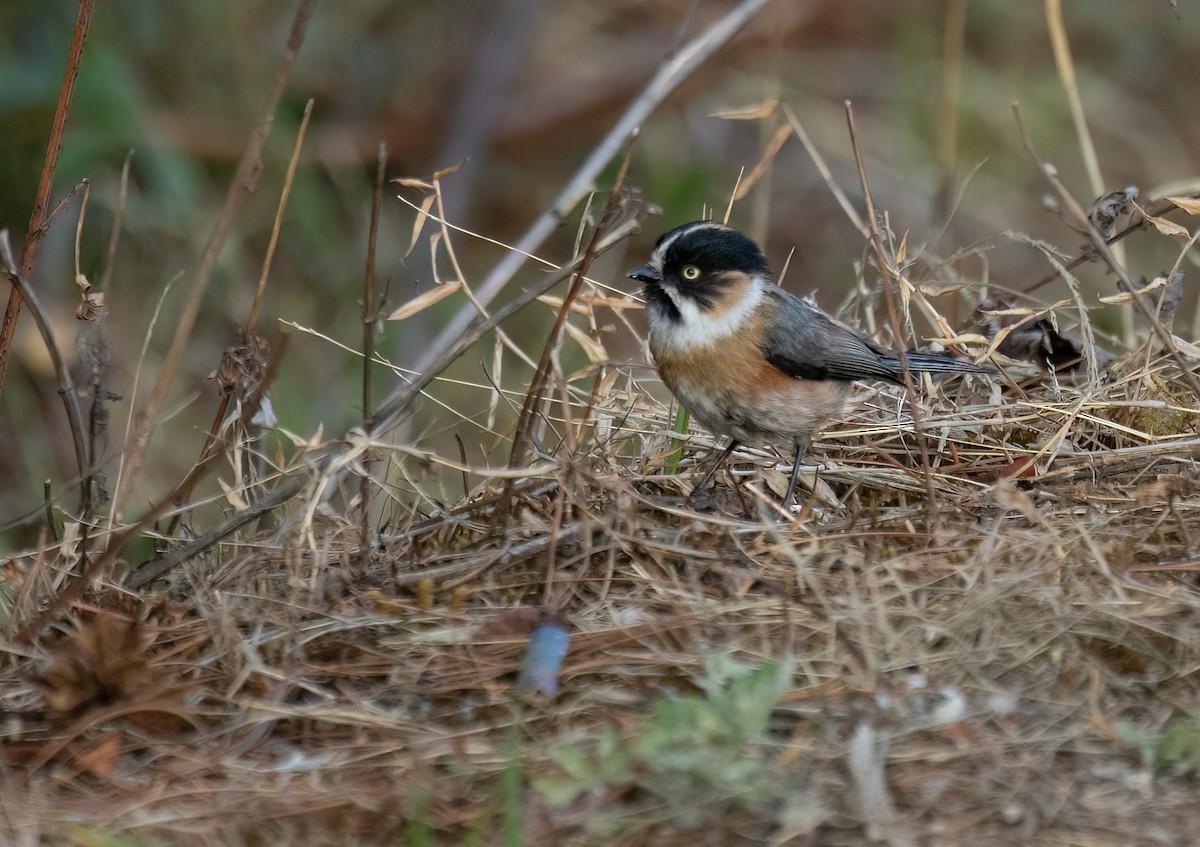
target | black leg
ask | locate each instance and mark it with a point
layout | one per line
(698, 489)
(802, 443)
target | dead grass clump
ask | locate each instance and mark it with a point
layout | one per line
(1000, 651)
(979, 625)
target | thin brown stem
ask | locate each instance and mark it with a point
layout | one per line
(887, 280)
(370, 317)
(1080, 220)
(118, 217)
(38, 220)
(151, 571)
(533, 398)
(214, 443)
(244, 182)
(1138, 221)
(252, 318)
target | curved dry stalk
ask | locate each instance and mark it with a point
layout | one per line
(669, 76)
(66, 385)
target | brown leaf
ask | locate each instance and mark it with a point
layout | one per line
(520, 622)
(1167, 227)
(419, 223)
(91, 307)
(1191, 205)
(1023, 468)
(423, 301)
(1163, 489)
(1117, 656)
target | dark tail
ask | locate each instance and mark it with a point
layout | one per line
(933, 363)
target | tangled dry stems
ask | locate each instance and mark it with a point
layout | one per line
(994, 642)
(979, 640)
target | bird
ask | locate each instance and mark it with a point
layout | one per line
(749, 360)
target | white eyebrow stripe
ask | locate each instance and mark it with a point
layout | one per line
(656, 258)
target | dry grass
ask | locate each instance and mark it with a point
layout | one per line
(980, 625)
(990, 661)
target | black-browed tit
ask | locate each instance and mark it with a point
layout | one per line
(749, 360)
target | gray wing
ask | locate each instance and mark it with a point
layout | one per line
(806, 343)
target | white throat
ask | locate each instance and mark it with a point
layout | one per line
(696, 328)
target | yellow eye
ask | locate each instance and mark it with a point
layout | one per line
(691, 272)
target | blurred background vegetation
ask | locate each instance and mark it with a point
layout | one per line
(518, 92)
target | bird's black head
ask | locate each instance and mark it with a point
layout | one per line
(701, 260)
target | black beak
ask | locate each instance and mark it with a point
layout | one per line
(645, 273)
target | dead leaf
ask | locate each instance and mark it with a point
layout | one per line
(585, 303)
(92, 305)
(594, 349)
(233, 495)
(1166, 300)
(1126, 297)
(965, 338)
(419, 223)
(1117, 656)
(1163, 489)
(1167, 227)
(1023, 468)
(412, 182)
(422, 302)
(1191, 205)
(437, 175)
(1187, 348)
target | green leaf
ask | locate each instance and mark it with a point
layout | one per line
(1178, 749)
(558, 791)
